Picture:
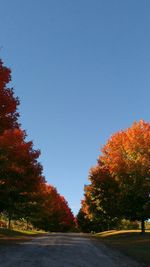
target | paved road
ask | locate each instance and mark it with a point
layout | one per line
(62, 250)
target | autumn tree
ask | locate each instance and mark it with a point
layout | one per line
(21, 174)
(127, 156)
(84, 223)
(23, 190)
(8, 102)
(85, 218)
(120, 182)
(99, 204)
(55, 214)
(20, 171)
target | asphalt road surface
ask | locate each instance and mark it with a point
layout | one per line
(62, 250)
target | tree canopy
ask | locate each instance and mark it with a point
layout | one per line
(120, 182)
(24, 192)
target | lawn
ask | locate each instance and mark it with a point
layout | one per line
(14, 236)
(132, 243)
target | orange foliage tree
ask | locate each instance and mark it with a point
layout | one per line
(99, 205)
(120, 183)
(127, 156)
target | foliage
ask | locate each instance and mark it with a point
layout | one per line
(20, 172)
(55, 215)
(84, 223)
(120, 182)
(128, 225)
(24, 193)
(100, 205)
(8, 103)
(127, 155)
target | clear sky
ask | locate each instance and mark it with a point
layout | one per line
(81, 69)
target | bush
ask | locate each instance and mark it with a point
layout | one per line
(3, 224)
(128, 225)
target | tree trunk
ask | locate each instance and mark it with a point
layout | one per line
(9, 223)
(142, 226)
(27, 225)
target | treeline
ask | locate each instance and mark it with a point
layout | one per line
(120, 182)
(24, 192)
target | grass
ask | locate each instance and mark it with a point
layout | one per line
(8, 236)
(130, 242)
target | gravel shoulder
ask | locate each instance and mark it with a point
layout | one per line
(62, 250)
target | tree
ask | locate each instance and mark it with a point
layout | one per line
(84, 223)
(8, 103)
(55, 215)
(127, 156)
(20, 173)
(100, 205)
(120, 182)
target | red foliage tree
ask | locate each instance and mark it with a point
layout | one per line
(8, 103)
(21, 174)
(23, 191)
(55, 215)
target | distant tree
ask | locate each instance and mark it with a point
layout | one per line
(100, 205)
(84, 223)
(55, 215)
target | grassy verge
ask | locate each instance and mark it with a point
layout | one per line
(14, 236)
(132, 243)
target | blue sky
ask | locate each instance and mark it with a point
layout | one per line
(82, 71)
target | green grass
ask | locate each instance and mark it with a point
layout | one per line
(130, 242)
(8, 236)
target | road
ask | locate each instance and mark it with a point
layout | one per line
(62, 250)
